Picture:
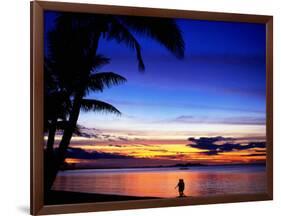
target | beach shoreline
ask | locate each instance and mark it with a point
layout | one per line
(55, 197)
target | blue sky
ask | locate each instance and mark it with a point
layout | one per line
(219, 86)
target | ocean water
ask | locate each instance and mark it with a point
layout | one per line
(161, 182)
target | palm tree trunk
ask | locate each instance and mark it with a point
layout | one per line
(54, 161)
(57, 161)
(68, 132)
(50, 156)
(51, 135)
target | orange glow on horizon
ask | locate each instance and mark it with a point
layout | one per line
(180, 152)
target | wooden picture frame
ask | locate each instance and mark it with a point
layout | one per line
(37, 59)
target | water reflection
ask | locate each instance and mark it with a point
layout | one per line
(161, 183)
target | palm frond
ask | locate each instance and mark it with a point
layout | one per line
(98, 81)
(121, 34)
(99, 61)
(163, 30)
(100, 106)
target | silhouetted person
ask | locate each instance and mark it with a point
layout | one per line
(180, 186)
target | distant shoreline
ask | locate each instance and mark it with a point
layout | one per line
(67, 197)
(171, 166)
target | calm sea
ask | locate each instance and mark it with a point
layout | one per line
(161, 182)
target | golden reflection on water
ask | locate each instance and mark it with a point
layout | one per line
(159, 183)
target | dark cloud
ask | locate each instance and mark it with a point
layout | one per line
(88, 128)
(253, 155)
(260, 151)
(118, 146)
(87, 135)
(210, 144)
(123, 139)
(111, 140)
(158, 150)
(183, 118)
(82, 154)
(172, 156)
(98, 134)
(211, 139)
(87, 132)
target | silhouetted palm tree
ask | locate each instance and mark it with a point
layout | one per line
(73, 46)
(59, 103)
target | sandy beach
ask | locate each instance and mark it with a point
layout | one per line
(62, 197)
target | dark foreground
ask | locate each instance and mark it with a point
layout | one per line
(64, 197)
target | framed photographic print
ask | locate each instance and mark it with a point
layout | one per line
(142, 108)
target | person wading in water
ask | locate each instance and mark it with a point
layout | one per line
(180, 186)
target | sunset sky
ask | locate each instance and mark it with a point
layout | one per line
(217, 92)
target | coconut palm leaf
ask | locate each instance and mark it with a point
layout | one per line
(99, 81)
(98, 62)
(163, 30)
(121, 34)
(100, 106)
